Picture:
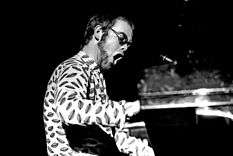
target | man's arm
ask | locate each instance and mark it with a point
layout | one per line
(132, 145)
(74, 107)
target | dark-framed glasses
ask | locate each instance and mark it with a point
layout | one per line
(122, 38)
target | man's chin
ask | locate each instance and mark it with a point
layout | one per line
(106, 66)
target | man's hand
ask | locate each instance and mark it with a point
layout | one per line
(131, 108)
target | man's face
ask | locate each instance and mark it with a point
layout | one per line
(114, 43)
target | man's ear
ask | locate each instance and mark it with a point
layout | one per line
(98, 32)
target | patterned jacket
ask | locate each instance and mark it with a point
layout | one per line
(76, 94)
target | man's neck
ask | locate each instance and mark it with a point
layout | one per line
(92, 51)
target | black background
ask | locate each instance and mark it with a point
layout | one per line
(42, 35)
(205, 29)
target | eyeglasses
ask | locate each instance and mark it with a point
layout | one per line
(122, 38)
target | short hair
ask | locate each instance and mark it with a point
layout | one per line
(105, 21)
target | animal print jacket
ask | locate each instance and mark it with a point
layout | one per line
(76, 94)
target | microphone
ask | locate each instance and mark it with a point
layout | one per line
(167, 59)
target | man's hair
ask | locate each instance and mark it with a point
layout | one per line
(105, 21)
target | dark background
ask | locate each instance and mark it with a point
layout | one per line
(45, 34)
(173, 28)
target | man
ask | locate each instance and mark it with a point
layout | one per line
(79, 117)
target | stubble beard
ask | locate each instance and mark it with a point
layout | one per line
(104, 59)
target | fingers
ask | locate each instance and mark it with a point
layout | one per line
(131, 108)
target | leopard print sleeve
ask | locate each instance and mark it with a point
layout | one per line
(76, 104)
